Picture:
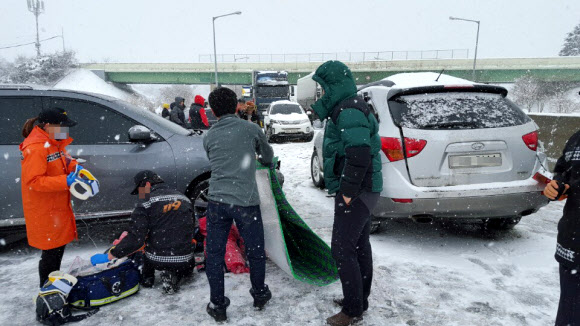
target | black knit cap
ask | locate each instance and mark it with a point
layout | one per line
(56, 116)
(145, 176)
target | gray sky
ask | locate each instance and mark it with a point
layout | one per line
(180, 30)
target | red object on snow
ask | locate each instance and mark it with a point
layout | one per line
(234, 258)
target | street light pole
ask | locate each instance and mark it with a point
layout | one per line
(476, 40)
(214, 46)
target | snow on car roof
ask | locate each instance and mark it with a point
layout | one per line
(418, 79)
(282, 72)
(284, 102)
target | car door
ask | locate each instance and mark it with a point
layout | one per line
(101, 143)
(14, 111)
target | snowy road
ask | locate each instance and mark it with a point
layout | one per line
(428, 275)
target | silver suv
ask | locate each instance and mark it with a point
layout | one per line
(451, 149)
(113, 139)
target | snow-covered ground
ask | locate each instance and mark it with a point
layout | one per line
(438, 274)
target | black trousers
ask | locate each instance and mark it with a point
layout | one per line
(351, 249)
(569, 307)
(49, 262)
(183, 269)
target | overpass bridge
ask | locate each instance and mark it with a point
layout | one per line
(505, 70)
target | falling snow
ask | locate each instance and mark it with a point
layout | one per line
(424, 274)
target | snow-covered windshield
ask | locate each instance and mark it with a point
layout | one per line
(456, 111)
(172, 127)
(286, 109)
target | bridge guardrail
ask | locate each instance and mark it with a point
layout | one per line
(352, 57)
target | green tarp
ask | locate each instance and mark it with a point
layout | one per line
(289, 242)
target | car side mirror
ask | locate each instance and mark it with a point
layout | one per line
(140, 134)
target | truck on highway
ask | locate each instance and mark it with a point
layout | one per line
(268, 87)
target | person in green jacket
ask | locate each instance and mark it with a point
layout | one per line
(352, 171)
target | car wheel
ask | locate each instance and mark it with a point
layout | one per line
(316, 171)
(309, 137)
(199, 198)
(376, 226)
(504, 223)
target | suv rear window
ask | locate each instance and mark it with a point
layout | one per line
(462, 110)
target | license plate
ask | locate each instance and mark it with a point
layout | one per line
(291, 131)
(474, 161)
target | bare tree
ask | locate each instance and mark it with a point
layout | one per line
(562, 104)
(525, 91)
(169, 93)
(531, 92)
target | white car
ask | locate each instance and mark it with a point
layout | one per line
(451, 148)
(287, 120)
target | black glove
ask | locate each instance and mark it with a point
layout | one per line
(561, 189)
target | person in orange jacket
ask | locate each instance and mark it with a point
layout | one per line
(48, 171)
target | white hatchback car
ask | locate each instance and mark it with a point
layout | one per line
(287, 120)
(451, 148)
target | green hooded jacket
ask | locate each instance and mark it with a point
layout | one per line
(351, 147)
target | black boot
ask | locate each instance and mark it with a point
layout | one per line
(339, 302)
(147, 282)
(170, 282)
(261, 297)
(218, 312)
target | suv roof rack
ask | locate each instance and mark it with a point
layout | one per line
(14, 86)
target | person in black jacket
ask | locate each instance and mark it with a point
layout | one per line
(162, 221)
(567, 182)
(197, 116)
(177, 114)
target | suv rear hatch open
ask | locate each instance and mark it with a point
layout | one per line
(461, 135)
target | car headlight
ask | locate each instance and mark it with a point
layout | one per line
(274, 121)
(304, 121)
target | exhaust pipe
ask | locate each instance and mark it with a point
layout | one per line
(422, 219)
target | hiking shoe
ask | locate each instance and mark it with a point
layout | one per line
(261, 297)
(147, 282)
(340, 303)
(169, 282)
(342, 319)
(218, 312)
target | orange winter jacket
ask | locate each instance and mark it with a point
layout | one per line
(50, 222)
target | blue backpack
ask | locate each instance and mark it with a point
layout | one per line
(105, 287)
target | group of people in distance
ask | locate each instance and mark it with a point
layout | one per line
(197, 119)
(352, 145)
(197, 116)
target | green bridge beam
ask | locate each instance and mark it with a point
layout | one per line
(362, 77)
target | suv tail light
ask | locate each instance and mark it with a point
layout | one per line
(531, 140)
(402, 200)
(392, 148)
